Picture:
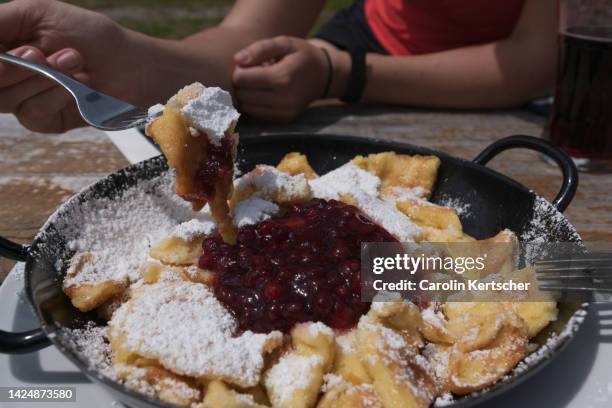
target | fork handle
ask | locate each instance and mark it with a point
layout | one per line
(75, 88)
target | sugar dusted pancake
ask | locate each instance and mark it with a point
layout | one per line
(196, 134)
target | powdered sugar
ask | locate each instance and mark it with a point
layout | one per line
(462, 207)
(393, 350)
(88, 268)
(212, 113)
(546, 222)
(346, 179)
(155, 109)
(246, 400)
(435, 319)
(437, 357)
(331, 381)
(91, 343)
(194, 228)
(383, 296)
(268, 182)
(334, 384)
(346, 342)
(253, 210)
(387, 216)
(189, 332)
(317, 328)
(153, 382)
(121, 230)
(290, 374)
(396, 194)
(444, 400)
(135, 378)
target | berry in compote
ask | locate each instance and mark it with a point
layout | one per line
(217, 166)
(303, 265)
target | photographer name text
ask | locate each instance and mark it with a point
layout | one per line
(406, 285)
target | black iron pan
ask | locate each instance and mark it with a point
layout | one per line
(496, 201)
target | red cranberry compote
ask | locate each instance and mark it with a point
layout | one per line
(217, 166)
(301, 266)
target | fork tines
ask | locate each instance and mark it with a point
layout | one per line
(581, 274)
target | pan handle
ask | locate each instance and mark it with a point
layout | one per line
(565, 163)
(11, 250)
(24, 342)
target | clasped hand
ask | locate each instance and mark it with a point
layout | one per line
(276, 79)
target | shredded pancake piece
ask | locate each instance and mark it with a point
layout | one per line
(184, 327)
(196, 134)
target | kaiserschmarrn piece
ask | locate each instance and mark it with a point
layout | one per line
(268, 183)
(219, 395)
(295, 380)
(87, 287)
(295, 163)
(154, 272)
(177, 251)
(401, 173)
(439, 224)
(499, 342)
(196, 134)
(160, 322)
(347, 364)
(150, 378)
(341, 393)
(401, 376)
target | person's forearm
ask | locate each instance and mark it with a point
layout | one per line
(208, 56)
(166, 65)
(491, 75)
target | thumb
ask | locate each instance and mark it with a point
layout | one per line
(265, 50)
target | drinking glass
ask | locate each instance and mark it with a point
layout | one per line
(581, 117)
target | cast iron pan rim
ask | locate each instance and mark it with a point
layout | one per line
(469, 399)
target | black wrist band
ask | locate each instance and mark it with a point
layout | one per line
(357, 79)
(330, 73)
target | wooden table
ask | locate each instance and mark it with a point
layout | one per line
(38, 172)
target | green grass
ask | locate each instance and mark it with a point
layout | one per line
(190, 4)
(176, 18)
(173, 28)
(158, 17)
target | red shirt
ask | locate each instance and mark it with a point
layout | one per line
(408, 27)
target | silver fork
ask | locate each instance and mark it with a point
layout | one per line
(97, 109)
(588, 275)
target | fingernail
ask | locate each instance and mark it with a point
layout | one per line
(243, 56)
(69, 60)
(29, 55)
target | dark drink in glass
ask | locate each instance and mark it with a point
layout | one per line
(581, 118)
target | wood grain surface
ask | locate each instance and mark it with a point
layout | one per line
(38, 172)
